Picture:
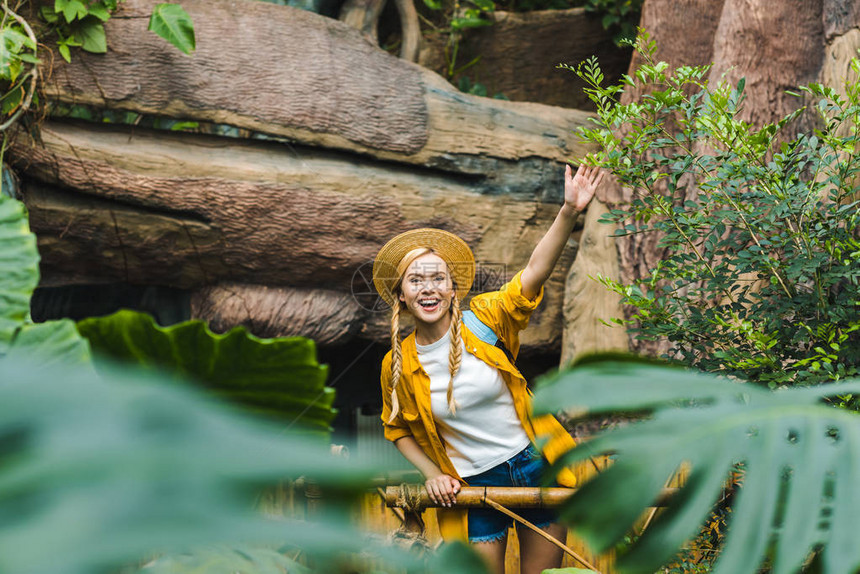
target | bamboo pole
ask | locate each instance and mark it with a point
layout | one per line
(570, 551)
(510, 497)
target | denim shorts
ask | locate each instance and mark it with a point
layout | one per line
(523, 469)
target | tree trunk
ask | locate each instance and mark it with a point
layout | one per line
(775, 47)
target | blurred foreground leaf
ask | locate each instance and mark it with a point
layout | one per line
(96, 472)
(227, 561)
(800, 461)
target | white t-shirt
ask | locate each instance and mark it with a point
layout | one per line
(485, 431)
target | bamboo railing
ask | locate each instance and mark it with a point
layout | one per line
(509, 497)
(378, 516)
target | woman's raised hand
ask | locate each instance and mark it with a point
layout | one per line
(442, 489)
(579, 188)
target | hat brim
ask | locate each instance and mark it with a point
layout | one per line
(453, 251)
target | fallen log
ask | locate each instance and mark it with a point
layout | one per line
(375, 146)
(328, 317)
(114, 203)
(316, 81)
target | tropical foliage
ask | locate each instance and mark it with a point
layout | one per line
(69, 24)
(761, 277)
(108, 469)
(50, 342)
(278, 377)
(798, 459)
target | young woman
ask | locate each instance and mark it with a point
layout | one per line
(455, 406)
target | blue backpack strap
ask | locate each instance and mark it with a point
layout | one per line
(478, 328)
(485, 333)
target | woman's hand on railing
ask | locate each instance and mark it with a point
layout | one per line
(443, 489)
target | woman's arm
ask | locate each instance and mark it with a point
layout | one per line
(441, 487)
(578, 191)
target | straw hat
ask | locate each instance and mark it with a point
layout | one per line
(453, 251)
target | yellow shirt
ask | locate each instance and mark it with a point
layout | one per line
(507, 312)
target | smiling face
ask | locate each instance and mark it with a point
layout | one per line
(426, 289)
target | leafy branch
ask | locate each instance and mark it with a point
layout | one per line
(757, 227)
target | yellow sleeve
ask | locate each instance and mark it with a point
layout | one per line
(507, 311)
(397, 428)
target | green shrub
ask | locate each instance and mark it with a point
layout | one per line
(759, 227)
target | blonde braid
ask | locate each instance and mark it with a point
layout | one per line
(396, 359)
(396, 351)
(455, 355)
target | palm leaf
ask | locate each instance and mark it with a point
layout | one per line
(280, 377)
(800, 461)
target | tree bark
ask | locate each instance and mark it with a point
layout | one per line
(327, 316)
(587, 304)
(775, 47)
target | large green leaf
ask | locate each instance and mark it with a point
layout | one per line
(227, 561)
(101, 471)
(106, 470)
(276, 376)
(172, 22)
(46, 343)
(51, 342)
(19, 268)
(800, 461)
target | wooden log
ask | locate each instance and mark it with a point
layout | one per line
(328, 317)
(316, 81)
(404, 149)
(510, 497)
(115, 203)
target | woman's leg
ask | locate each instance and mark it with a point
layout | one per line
(493, 554)
(536, 552)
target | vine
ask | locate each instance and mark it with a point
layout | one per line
(71, 24)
